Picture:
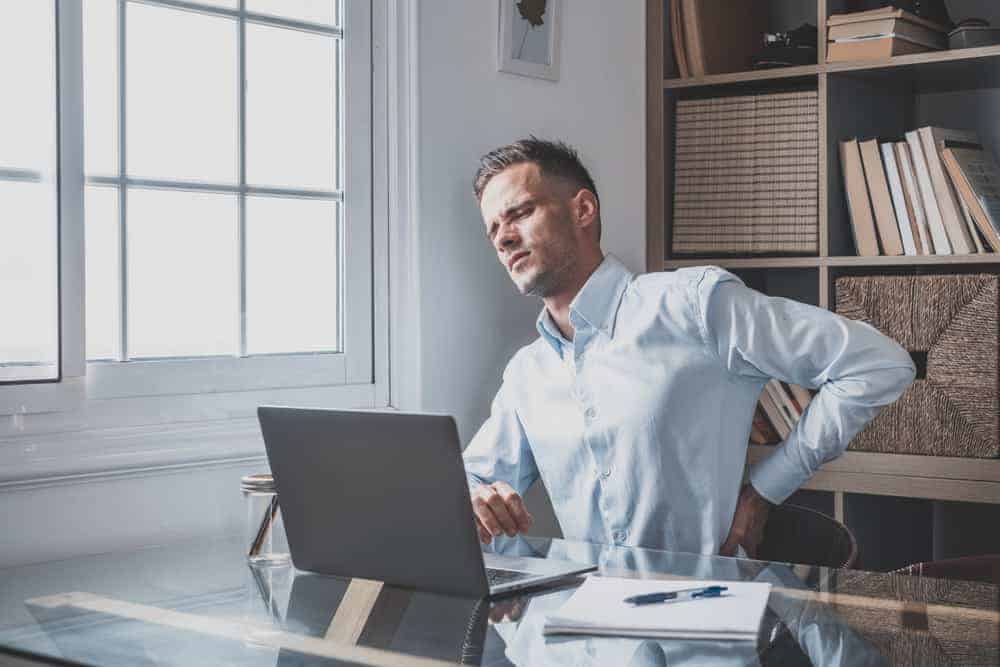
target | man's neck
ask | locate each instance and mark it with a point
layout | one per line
(558, 303)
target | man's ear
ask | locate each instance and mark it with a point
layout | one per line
(585, 208)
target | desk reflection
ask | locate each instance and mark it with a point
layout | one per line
(368, 613)
(796, 629)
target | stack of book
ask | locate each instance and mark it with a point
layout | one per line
(778, 410)
(936, 193)
(746, 175)
(881, 33)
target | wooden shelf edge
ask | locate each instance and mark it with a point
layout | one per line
(924, 488)
(911, 260)
(905, 466)
(948, 55)
(742, 77)
(745, 262)
(751, 76)
(840, 261)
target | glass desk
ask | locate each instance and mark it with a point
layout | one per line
(198, 603)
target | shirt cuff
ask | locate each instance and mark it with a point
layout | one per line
(781, 474)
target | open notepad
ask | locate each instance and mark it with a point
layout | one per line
(598, 607)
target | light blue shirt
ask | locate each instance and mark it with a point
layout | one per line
(639, 426)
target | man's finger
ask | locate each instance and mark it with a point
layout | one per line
(484, 533)
(728, 547)
(502, 514)
(485, 516)
(515, 505)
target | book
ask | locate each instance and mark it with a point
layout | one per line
(939, 237)
(967, 216)
(878, 189)
(912, 197)
(977, 179)
(598, 607)
(721, 35)
(781, 401)
(802, 396)
(882, 27)
(677, 36)
(885, 13)
(858, 205)
(907, 229)
(932, 139)
(774, 414)
(762, 432)
(873, 48)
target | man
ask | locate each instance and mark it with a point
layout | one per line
(634, 404)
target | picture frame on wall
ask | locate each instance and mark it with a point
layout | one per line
(529, 38)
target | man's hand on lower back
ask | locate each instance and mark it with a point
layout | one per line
(499, 509)
(748, 523)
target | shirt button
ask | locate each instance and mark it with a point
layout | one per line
(619, 536)
(590, 413)
(606, 473)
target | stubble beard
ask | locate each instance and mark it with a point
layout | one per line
(549, 280)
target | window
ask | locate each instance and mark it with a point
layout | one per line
(225, 188)
(29, 248)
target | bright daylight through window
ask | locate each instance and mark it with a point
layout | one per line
(29, 249)
(214, 187)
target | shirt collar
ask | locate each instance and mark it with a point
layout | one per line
(597, 302)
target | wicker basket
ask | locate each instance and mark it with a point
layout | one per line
(746, 179)
(949, 325)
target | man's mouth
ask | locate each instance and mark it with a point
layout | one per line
(517, 257)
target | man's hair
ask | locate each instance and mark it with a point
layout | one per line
(554, 158)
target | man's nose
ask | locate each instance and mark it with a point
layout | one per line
(506, 239)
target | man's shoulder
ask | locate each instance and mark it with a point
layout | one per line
(687, 281)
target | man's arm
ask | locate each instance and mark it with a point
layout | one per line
(500, 468)
(856, 369)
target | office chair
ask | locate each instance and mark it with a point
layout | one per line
(795, 534)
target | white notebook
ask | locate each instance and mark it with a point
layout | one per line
(598, 607)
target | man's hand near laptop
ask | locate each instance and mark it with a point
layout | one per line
(499, 509)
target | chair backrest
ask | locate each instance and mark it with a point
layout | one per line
(969, 568)
(795, 534)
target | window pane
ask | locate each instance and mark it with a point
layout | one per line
(228, 4)
(316, 11)
(292, 269)
(291, 120)
(27, 85)
(182, 274)
(100, 86)
(103, 319)
(28, 281)
(182, 95)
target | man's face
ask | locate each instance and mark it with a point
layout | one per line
(529, 223)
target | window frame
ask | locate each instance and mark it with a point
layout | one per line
(206, 385)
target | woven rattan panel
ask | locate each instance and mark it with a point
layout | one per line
(953, 410)
(746, 177)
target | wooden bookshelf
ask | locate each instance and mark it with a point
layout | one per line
(882, 99)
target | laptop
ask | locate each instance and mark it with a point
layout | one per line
(383, 495)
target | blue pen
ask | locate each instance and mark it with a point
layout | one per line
(678, 596)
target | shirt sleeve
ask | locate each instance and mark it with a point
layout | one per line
(856, 369)
(500, 450)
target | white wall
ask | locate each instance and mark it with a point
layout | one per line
(472, 319)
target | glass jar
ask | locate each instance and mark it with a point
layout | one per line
(265, 539)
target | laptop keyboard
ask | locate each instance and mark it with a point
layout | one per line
(495, 576)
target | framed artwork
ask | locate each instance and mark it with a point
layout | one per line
(529, 38)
